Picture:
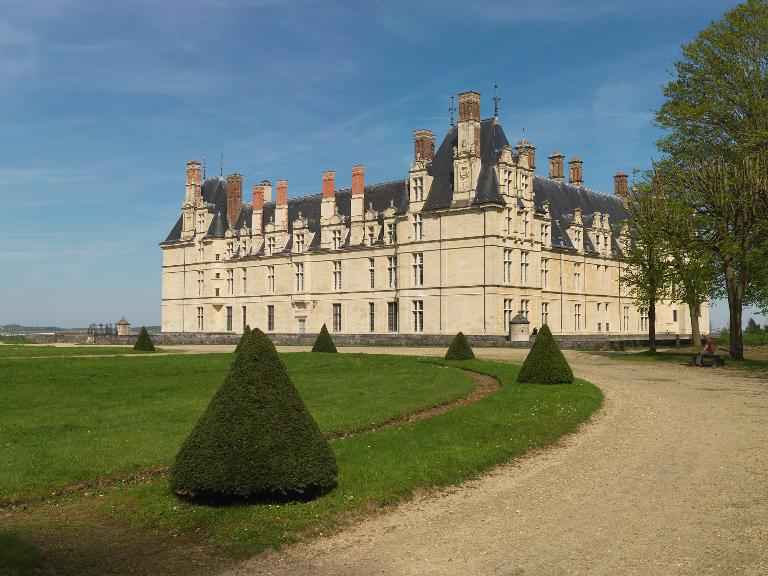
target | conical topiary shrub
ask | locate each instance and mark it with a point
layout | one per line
(324, 342)
(243, 338)
(256, 439)
(459, 349)
(545, 363)
(144, 342)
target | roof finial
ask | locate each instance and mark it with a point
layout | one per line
(496, 100)
(221, 166)
(203, 168)
(452, 110)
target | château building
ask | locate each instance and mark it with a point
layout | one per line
(471, 238)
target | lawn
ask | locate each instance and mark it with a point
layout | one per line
(68, 420)
(30, 351)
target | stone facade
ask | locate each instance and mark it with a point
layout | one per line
(468, 240)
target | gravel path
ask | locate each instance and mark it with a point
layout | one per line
(670, 477)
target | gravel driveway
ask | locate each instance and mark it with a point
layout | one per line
(670, 477)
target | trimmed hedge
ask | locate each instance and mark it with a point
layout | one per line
(256, 439)
(459, 349)
(324, 342)
(144, 342)
(545, 363)
(243, 338)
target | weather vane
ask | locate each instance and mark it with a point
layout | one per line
(496, 100)
(221, 166)
(452, 110)
(203, 168)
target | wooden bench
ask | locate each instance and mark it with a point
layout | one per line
(717, 359)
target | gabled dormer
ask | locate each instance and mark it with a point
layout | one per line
(419, 179)
(575, 230)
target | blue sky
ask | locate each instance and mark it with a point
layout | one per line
(103, 102)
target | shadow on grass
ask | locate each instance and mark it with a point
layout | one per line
(18, 557)
(217, 500)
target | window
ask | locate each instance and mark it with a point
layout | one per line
(508, 185)
(218, 275)
(507, 266)
(391, 234)
(230, 282)
(392, 316)
(229, 318)
(245, 281)
(526, 223)
(507, 221)
(523, 267)
(270, 318)
(625, 319)
(392, 271)
(525, 307)
(418, 189)
(508, 314)
(417, 227)
(243, 245)
(545, 234)
(200, 221)
(337, 275)
(271, 279)
(607, 318)
(230, 249)
(218, 257)
(643, 319)
(217, 291)
(299, 243)
(577, 239)
(524, 183)
(245, 317)
(418, 315)
(597, 316)
(200, 283)
(372, 272)
(336, 239)
(371, 317)
(337, 317)
(577, 317)
(371, 235)
(544, 273)
(577, 277)
(674, 315)
(200, 319)
(418, 269)
(270, 245)
(299, 273)
(302, 325)
(544, 313)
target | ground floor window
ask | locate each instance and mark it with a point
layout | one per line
(392, 316)
(544, 313)
(524, 306)
(577, 317)
(302, 325)
(245, 317)
(229, 318)
(200, 325)
(625, 319)
(371, 317)
(674, 315)
(643, 319)
(418, 315)
(337, 317)
(270, 317)
(508, 314)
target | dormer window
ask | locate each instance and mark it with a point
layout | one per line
(524, 183)
(371, 235)
(299, 243)
(201, 222)
(508, 181)
(544, 234)
(230, 249)
(218, 257)
(270, 246)
(418, 189)
(391, 236)
(336, 239)
(577, 238)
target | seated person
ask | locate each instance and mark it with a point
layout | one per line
(709, 348)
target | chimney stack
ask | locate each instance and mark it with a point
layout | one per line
(575, 172)
(358, 193)
(469, 106)
(281, 205)
(234, 198)
(424, 145)
(525, 148)
(469, 123)
(328, 203)
(620, 184)
(556, 166)
(260, 191)
(192, 194)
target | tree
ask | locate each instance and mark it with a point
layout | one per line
(647, 271)
(545, 363)
(459, 349)
(752, 327)
(243, 338)
(324, 342)
(144, 342)
(256, 439)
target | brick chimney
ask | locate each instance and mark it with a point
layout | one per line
(556, 166)
(620, 184)
(328, 204)
(423, 145)
(260, 192)
(575, 172)
(357, 208)
(234, 198)
(469, 123)
(281, 205)
(525, 148)
(192, 194)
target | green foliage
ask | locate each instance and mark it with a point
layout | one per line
(144, 342)
(17, 556)
(243, 338)
(545, 363)
(324, 342)
(256, 439)
(459, 349)
(752, 326)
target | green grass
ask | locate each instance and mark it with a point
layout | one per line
(17, 556)
(28, 351)
(69, 420)
(748, 338)
(380, 468)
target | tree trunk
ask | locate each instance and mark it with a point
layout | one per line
(735, 306)
(652, 326)
(693, 310)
